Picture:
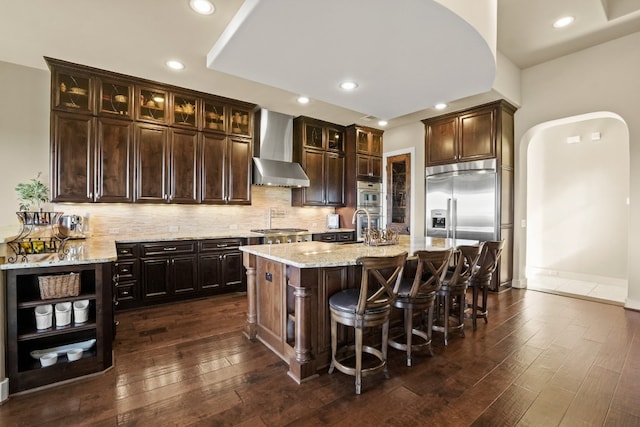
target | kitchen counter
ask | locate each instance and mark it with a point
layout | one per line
(321, 254)
(288, 290)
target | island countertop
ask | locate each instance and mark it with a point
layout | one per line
(321, 254)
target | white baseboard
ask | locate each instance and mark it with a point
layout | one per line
(603, 280)
(4, 389)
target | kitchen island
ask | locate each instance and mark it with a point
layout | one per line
(288, 289)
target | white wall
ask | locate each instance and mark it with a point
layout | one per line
(24, 132)
(577, 214)
(601, 78)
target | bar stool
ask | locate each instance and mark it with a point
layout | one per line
(453, 291)
(363, 307)
(481, 278)
(416, 295)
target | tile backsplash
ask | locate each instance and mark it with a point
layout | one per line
(119, 219)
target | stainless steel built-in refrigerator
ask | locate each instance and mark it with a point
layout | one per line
(461, 201)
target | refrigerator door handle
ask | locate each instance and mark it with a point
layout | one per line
(454, 217)
(449, 217)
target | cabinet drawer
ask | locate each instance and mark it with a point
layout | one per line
(126, 291)
(126, 250)
(124, 269)
(168, 248)
(345, 237)
(220, 244)
(325, 237)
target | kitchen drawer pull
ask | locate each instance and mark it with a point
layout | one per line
(220, 245)
(125, 251)
(172, 248)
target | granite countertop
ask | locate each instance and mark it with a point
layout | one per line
(103, 249)
(321, 254)
(85, 251)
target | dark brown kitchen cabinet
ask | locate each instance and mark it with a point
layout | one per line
(338, 236)
(463, 136)
(185, 111)
(72, 90)
(151, 104)
(156, 135)
(364, 148)
(24, 340)
(166, 162)
(226, 169)
(169, 270)
(72, 157)
(115, 98)
(126, 277)
(319, 147)
(151, 163)
(88, 168)
(113, 177)
(220, 267)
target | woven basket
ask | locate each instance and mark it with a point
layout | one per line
(59, 286)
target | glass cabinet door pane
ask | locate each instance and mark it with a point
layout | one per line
(152, 105)
(114, 98)
(376, 144)
(73, 92)
(185, 110)
(362, 141)
(240, 123)
(335, 140)
(313, 136)
(213, 116)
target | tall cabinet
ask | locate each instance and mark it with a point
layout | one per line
(319, 147)
(482, 132)
(116, 138)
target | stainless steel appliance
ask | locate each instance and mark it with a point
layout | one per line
(369, 198)
(283, 235)
(273, 150)
(461, 201)
(72, 226)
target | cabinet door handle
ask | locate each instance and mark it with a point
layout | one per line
(171, 248)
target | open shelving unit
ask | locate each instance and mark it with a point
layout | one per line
(23, 337)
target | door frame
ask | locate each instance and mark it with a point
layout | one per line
(412, 153)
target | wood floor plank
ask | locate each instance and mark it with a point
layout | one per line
(541, 360)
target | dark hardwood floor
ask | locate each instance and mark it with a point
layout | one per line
(542, 360)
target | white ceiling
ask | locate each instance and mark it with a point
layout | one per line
(136, 37)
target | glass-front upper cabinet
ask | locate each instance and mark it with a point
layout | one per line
(313, 136)
(151, 104)
(114, 98)
(213, 115)
(376, 143)
(72, 91)
(362, 141)
(240, 121)
(186, 110)
(335, 140)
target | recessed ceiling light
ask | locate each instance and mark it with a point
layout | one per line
(348, 85)
(175, 65)
(563, 22)
(382, 123)
(203, 7)
(441, 106)
(303, 100)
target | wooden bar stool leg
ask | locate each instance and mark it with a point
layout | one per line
(429, 327)
(474, 306)
(334, 343)
(461, 304)
(446, 320)
(485, 294)
(385, 346)
(408, 326)
(358, 360)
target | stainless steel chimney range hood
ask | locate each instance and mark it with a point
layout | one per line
(273, 151)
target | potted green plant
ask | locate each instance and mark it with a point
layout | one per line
(32, 193)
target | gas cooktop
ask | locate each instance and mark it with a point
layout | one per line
(279, 230)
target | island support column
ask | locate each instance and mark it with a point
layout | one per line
(302, 365)
(251, 328)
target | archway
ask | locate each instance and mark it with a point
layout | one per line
(577, 206)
